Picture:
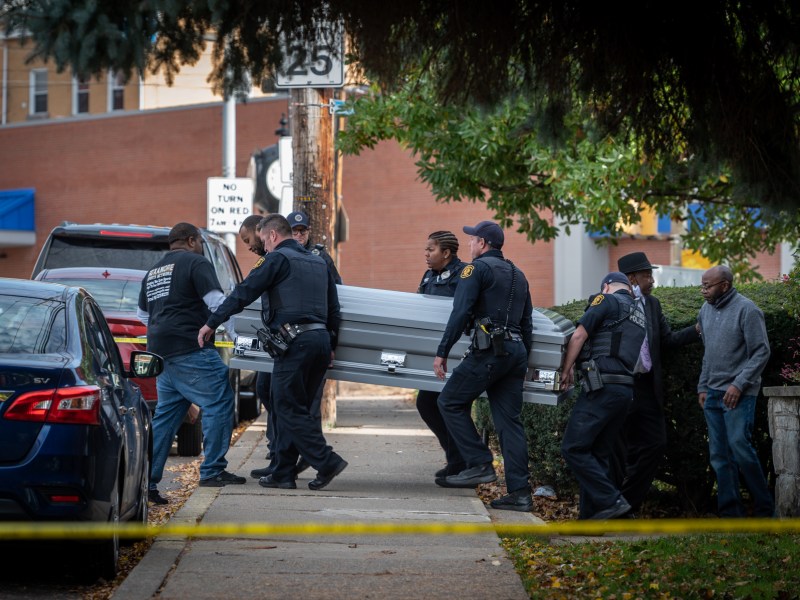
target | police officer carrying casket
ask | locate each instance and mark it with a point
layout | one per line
(492, 301)
(610, 333)
(301, 328)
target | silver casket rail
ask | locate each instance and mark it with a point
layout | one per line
(390, 338)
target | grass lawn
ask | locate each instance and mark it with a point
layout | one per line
(691, 566)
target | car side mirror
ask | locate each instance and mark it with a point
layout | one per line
(145, 364)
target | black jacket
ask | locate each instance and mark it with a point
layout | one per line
(660, 335)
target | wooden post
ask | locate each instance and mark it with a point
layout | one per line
(314, 181)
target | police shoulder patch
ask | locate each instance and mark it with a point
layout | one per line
(259, 262)
(598, 299)
(467, 271)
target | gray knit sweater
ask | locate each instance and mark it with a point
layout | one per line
(736, 344)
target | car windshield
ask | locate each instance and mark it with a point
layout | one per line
(111, 294)
(32, 325)
(94, 252)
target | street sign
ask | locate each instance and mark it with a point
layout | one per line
(315, 64)
(286, 159)
(230, 201)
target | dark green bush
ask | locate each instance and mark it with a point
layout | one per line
(686, 465)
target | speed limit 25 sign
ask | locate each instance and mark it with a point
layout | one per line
(313, 64)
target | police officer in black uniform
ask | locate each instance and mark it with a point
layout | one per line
(614, 328)
(493, 301)
(302, 321)
(301, 231)
(441, 279)
(248, 233)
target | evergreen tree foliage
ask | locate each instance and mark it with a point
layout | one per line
(714, 81)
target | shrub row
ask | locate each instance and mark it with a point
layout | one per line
(685, 467)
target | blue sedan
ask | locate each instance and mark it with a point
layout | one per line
(75, 432)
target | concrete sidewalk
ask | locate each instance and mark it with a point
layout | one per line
(392, 459)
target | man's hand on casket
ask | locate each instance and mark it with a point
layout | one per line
(440, 367)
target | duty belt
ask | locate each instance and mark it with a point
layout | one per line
(295, 330)
(616, 378)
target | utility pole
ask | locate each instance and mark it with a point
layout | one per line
(229, 151)
(311, 68)
(313, 182)
(313, 178)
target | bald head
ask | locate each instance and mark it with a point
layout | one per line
(720, 273)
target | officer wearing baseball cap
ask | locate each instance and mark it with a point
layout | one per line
(644, 436)
(301, 230)
(613, 326)
(492, 300)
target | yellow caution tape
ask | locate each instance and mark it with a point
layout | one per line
(68, 530)
(124, 340)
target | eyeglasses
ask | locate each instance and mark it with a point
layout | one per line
(708, 286)
(300, 230)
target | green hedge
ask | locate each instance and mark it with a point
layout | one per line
(686, 465)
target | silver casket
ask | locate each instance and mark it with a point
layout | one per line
(390, 338)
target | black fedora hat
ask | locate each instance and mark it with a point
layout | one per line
(633, 262)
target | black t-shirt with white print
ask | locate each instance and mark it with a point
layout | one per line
(172, 293)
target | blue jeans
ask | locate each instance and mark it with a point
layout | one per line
(732, 452)
(201, 378)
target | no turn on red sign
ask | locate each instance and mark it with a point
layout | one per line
(230, 201)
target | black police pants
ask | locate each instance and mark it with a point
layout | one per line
(429, 411)
(502, 379)
(644, 440)
(296, 377)
(263, 380)
(589, 440)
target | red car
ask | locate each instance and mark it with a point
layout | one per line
(117, 293)
(116, 290)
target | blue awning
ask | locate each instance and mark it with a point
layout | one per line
(17, 223)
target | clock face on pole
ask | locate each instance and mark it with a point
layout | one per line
(273, 177)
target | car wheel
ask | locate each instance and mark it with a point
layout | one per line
(249, 405)
(190, 438)
(105, 553)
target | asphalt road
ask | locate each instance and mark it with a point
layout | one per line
(53, 571)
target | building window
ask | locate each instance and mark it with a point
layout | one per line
(116, 91)
(80, 96)
(38, 100)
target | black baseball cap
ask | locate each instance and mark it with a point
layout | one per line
(489, 231)
(615, 277)
(297, 219)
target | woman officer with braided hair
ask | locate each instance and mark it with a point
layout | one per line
(441, 278)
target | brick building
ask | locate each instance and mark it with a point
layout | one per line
(151, 167)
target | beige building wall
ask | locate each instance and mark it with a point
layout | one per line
(190, 87)
(17, 81)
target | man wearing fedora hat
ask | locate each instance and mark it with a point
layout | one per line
(644, 437)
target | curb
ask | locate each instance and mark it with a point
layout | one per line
(147, 577)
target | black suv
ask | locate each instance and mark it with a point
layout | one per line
(140, 247)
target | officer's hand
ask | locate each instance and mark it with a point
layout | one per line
(701, 399)
(332, 356)
(205, 334)
(440, 367)
(731, 397)
(567, 378)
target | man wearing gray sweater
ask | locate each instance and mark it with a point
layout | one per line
(736, 352)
